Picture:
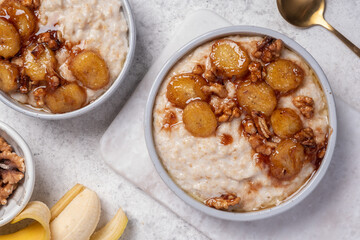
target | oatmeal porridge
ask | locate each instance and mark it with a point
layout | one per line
(62, 54)
(241, 123)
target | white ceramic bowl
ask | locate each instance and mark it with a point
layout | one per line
(101, 99)
(21, 196)
(237, 216)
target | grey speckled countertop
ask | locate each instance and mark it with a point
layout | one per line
(67, 152)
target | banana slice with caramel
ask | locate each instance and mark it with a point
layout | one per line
(9, 75)
(39, 59)
(90, 69)
(185, 87)
(199, 119)
(285, 122)
(229, 59)
(22, 17)
(257, 97)
(284, 75)
(287, 159)
(9, 39)
(66, 98)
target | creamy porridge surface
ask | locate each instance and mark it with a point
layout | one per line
(206, 168)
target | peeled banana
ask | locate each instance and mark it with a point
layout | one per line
(79, 219)
(74, 217)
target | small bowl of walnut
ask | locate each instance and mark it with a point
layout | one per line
(241, 123)
(17, 174)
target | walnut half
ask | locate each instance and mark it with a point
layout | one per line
(225, 109)
(215, 88)
(307, 139)
(269, 49)
(12, 169)
(305, 105)
(223, 202)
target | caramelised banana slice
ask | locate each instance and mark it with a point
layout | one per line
(38, 61)
(287, 159)
(284, 75)
(199, 119)
(185, 87)
(8, 76)
(90, 69)
(257, 97)
(22, 17)
(9, 39)
(285, 122)
(66, 98)
(229, 59)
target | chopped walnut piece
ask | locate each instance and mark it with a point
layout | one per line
(225, 109)
(5, 192)
(261, 124)
(269, 49)
(223, 202)
(4, 146)
(25, 83)
(34, 4)
(51, 38)
(215, 88)
(260, 145)
(38, 50)
(14, 160)
(249, 125)
(53, 81)
(11, 176)
(12, 168)
(256, 71)
(39, 94)
(210, 76)
(305, 105)
(198, 69)
(307, 139)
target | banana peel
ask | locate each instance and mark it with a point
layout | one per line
(65, 200)
(40, 230)
(51, 224)
(113, 229)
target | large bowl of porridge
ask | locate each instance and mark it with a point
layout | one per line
(60, 59)
(241, 123)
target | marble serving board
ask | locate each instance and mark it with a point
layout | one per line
(332, 211)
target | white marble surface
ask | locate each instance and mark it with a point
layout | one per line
(67, 152)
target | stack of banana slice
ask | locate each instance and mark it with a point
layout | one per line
(74, 217)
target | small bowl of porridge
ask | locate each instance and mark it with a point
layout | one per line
(17, 174)
(60, 59)
(241, 123)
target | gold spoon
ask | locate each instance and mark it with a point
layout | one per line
(307, 13)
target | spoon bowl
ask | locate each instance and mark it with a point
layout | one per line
(308, 13)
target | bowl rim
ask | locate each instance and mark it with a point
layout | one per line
(32, 112)
(306, 189)
(29, 183)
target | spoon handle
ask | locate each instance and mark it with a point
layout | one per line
(354, 48)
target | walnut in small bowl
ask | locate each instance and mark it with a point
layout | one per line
(17, 173)
(12, 171)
